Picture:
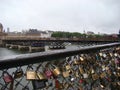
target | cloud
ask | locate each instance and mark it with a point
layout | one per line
(66, 15)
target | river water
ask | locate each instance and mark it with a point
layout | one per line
(4, 52)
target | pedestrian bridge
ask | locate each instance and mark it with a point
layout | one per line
(88, 68)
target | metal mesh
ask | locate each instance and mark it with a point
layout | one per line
(77, 80)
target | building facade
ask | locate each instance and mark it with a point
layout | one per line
(1, 28)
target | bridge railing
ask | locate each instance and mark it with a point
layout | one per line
(93, 67)
(61, 39)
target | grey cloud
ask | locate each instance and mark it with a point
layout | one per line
(68, 15)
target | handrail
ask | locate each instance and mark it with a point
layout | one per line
(25, 59)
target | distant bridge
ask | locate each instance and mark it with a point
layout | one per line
(32, 43)
(37, 38)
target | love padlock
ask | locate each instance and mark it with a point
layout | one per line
(48, 73)
(31, 74)
(56, 70)
(18, 73)
(7, 77)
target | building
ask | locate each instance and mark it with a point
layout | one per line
(38, 33)
(90, 33)
(1, 28)
(2, 33)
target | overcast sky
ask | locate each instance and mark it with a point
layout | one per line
(61, 15)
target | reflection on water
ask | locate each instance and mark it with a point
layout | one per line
(4, 52)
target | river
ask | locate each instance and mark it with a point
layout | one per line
(4, 52)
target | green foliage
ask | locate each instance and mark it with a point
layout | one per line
(74, 35)
(66, 34)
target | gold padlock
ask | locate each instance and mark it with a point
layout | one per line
(66, 74)
(56, 71)
(102, 75)
(81, 70)
(41, 76)
(31, 75)
(92, 71)
(68, 67)
(81, 59)
(111, 54)
(100, 54)
(107, 68)
(95, 76)
(76, 62)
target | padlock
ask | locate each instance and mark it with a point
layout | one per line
(95, 76)
(56, 70)
(68, 67)
(18, 73)
(104, 55)
(102, 83)
(81, 59)
(93, 71)
(77, 74)
(115, 54)
(7, 77)
(100, 54)
(38, 84)
(81, 70)
(65, 74)
(48, 73)
(31, 74)
(85, 75)
(103, 68)
(41, 76)
(58, 85)
(111, 54)
(103, 75)
(76, 61)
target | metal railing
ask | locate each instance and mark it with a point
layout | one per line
(50, 60)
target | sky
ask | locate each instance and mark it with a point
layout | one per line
(101, 16)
